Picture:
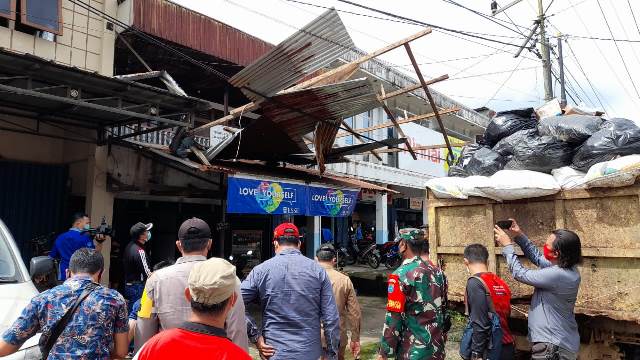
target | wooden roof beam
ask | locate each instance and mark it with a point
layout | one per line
(414, 87)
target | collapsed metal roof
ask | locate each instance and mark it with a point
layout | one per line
(311, 48)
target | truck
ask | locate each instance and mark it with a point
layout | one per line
(608, 223)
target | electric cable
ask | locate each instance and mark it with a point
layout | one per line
(505, 81)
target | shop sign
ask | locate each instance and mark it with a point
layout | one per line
(248, 196)
(415, 203)
(331, 202)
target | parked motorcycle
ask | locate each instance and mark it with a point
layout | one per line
(366, 253)
(391, 255)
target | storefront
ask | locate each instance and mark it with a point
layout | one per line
(257, 204)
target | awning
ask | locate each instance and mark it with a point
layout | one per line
(34, 88)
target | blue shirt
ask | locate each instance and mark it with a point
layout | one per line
(296, 295)
(133, 314)
(66, 244)
(89, 333)
(551, 314)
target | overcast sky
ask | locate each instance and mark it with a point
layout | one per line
(500, 87)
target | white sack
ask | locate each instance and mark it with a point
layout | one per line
(520, 184)
(446, 187)
(569, 178)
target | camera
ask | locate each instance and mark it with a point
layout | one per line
(104, 229)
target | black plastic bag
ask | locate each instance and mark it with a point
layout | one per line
(574, 129)
(616, 137)
(506, 123)
(527, 150)
(476, 159)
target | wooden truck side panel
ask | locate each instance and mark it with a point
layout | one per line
(607, 221)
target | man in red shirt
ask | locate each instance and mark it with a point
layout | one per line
(211, 293)
(476, 258)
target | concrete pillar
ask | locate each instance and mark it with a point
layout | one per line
(314, 235)
(99, 202)
(382, 218)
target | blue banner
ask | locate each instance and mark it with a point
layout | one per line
(247, 196)
(331, 202)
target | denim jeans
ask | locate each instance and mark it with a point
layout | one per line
(132, 293)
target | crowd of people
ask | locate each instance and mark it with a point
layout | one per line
(196, 307)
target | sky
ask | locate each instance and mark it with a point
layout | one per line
(482, 73)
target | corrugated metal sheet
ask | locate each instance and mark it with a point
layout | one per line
(32, 201)
(330, 102)
(313, 47)
(196, 31)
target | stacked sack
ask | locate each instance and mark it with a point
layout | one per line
(518, 153)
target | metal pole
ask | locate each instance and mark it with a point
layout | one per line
(546, 56)
(563, 92)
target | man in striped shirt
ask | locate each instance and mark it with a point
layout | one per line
(136, 265)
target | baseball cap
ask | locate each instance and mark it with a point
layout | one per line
(212, 281)
(194, 228)
(139, 228)
(286, 230)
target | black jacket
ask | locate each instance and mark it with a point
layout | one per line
(136, 266)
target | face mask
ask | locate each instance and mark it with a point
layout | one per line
(148, 235)
(548, 253)
(87, 226)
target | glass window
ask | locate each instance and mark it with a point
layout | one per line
(8, 9)
(7, 262)
(42, 14)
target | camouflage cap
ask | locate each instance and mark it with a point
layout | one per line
(412, 234)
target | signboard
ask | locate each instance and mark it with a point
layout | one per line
(331, 202)
(248, 196)
(430, 161)
(415, 203)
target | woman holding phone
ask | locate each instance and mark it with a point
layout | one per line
(553, 331)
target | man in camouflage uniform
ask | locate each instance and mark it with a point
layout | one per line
(415, 322)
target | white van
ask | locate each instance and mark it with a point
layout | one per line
(16, 290)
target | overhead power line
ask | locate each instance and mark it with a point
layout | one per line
(626, 68)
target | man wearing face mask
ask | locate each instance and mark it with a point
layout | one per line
(97, 328)
(416, 308)
(553, 331)
(136, 265)
(68, 242)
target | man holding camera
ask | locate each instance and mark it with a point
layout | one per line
(136, 265)
(75, 238)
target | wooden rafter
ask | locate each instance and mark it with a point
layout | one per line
(357, 136)
(403, 121)
(419, 148)
(430, 99)
(414, 87)
(392, 117)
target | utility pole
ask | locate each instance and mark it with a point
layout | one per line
(546, 55)
(563, 92)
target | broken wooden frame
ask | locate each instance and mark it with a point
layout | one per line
(343, 73)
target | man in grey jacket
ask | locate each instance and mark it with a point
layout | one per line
(163, 305)
(296, 296)
(553, 330)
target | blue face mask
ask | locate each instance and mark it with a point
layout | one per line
(87, 226)
(148, 235)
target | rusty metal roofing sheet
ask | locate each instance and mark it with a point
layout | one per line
(189, 28)
(313, 47)
(297, 113)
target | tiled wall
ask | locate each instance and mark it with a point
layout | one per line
(85, 42)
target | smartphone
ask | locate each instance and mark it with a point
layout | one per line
(504, 224)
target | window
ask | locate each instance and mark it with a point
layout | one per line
(348, 140)
(8, 9)
(43, 15)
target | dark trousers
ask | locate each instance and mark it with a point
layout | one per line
(132, 293)
(508, 352)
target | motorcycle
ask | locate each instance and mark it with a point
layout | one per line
(391, 254)
(363, 254)
(240, 262)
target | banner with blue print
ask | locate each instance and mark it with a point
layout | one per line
(248, 196)
(331, 202)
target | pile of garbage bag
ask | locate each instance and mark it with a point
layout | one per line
(577, 150)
